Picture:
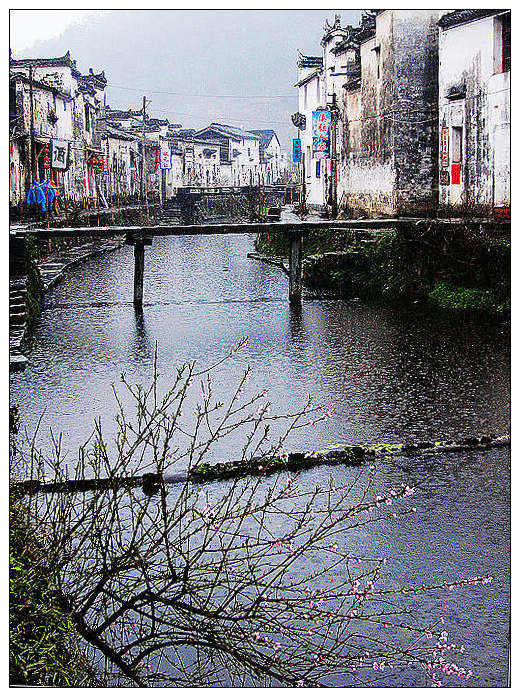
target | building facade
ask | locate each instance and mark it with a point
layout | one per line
(420, 111)
(474, 112)
(240, 153)
(272, 163)
(61, 129)
(311, 96)
(389, 116)
(54, 106)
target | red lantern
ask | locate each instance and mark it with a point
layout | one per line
(46, 159)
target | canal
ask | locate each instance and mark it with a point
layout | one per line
(387, 374)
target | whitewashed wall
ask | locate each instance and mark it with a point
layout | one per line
(469, 56)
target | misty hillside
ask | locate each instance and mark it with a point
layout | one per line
(221, 53)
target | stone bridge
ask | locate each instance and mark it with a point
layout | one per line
(141, 236)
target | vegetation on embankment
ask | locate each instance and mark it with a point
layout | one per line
(34, 287)
(452, 297)
(44, 646)
(452, 268)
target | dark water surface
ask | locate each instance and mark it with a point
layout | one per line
(390, 374)
(460, 530)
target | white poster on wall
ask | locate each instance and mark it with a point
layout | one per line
(166, 156)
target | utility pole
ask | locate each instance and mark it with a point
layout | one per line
(333, 190)
(143, 176)
(33, 159)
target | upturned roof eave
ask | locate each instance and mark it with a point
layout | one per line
(309, 78)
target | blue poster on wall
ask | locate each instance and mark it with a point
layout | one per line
(296, 150)
(321, 121)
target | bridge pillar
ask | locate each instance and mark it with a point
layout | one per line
(138, 274)
(295, 266)
(138, 243)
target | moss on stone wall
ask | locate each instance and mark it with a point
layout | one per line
(315, 242)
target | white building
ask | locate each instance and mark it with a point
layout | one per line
(120, 152)
(240, 153)
(65, 106)
(474, 111)
(311, 96)
(272, 162)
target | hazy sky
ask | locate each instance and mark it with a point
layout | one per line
(236, 66)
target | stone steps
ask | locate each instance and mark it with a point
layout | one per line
(17, 322)
(51, 271)
(17, 361)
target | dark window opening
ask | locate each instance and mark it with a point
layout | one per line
(87, 118)
(377, 52)
(456, 144)
(506, 42)
(12, 102)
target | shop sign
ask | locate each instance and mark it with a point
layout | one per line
(60, 154)
(166, 156)
(296, 150)
(444, 177)
(321, 121)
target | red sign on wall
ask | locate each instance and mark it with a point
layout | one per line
(455, 173)
(445, 153)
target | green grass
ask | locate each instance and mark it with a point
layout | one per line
(452, 297)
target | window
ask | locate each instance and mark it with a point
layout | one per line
(377, 54)
(305, 97)
(318, 172)
(87, 118)
(456, 144)
(12, 101)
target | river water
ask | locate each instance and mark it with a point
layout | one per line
(387, 374)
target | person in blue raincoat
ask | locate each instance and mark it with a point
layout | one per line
(49, 193)
(36, 196)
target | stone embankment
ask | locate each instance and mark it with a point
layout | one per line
(347, 455)
(453, 267)
(51, 270)
(350, 455)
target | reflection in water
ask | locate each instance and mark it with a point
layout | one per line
(296, 325)
(142, 347)
(391, 374)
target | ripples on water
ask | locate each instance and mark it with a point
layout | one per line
(392, 374)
